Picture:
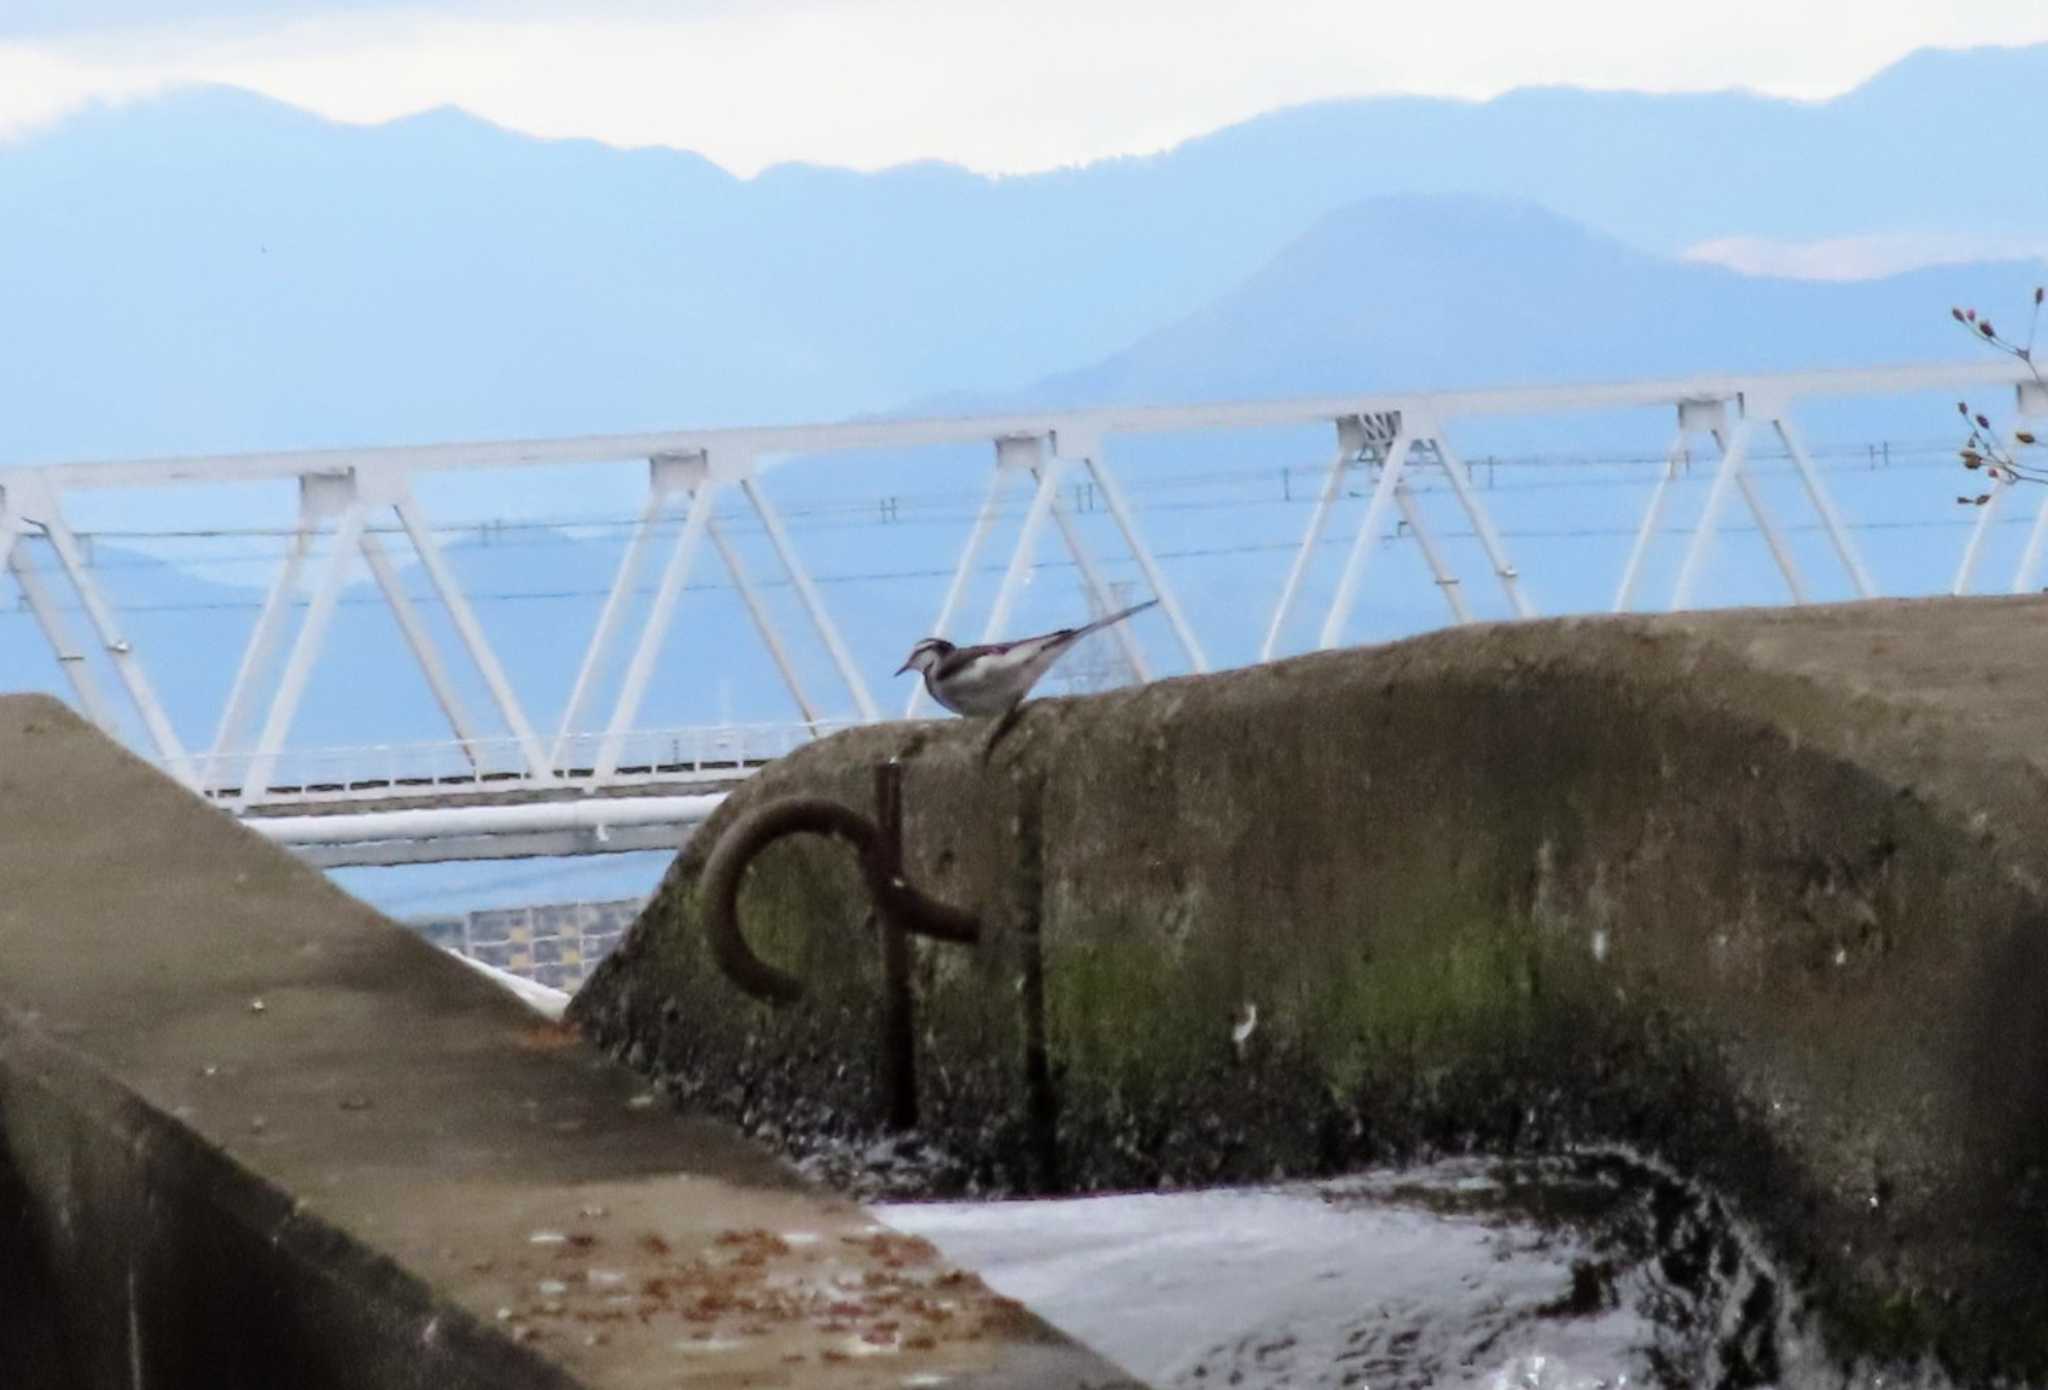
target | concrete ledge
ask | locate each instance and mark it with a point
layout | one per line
(1760, 891)
(150, 1255)
(253, 1135)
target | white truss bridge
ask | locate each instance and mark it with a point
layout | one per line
(599, 781)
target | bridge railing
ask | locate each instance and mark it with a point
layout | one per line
(390, 771)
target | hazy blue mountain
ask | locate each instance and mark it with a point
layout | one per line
(1462, 291)
(213, 270)
(1924, 145)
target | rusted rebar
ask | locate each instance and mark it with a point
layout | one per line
(1041, 1102)
(899, 1026)
(896, 901)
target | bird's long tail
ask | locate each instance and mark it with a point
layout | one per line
(1101, 623)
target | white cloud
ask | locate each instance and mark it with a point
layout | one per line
(998, 86)
(37, 87)
(1868, 257)
(46, 18)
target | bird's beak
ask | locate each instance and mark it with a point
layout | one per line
(904, 667)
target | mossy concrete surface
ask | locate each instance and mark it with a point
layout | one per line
(1759, 890)
(254, 1135)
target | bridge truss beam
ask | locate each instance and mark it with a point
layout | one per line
(1730, 423)
(1402, 442)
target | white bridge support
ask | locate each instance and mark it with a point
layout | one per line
(1392, 444)
(29, 503)
(702, 485)
(693, 479)
(1730, 424)
(340, 505)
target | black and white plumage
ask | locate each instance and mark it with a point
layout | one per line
(992, 680)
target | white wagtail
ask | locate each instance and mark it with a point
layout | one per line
(992, 680)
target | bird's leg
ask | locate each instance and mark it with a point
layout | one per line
(1000, 727)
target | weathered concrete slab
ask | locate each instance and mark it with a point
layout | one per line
(1762, 891)
(254, 1135)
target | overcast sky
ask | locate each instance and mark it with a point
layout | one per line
(1009, 86)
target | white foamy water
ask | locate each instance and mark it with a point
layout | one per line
(1290, 1287)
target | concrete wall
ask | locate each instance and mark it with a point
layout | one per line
(1760, 891)
(253, 1135)
(147, 1257)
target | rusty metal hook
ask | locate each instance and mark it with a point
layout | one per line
(896, 900)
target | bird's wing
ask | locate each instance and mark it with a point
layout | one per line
(1024, 648)
(960, 658)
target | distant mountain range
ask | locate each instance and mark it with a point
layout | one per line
(214, 270)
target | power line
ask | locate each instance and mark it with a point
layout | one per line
(891, 511)
(1183, 553)
(870, 509)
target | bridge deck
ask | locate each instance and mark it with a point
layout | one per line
(510, 789)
